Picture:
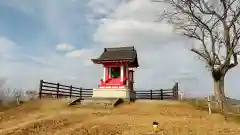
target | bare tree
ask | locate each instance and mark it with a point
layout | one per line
(14, 94)
(215, 24)
(2, 82)
(9, 93)
(17, 94)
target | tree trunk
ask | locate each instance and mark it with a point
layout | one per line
(220, 95)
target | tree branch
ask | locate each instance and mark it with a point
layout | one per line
(210, 25)
(235, 18)
(202, 55)
(235, 61)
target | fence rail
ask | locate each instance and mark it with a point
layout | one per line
(57, 90)
(159, 94)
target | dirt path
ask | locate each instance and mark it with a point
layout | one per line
(55, 118)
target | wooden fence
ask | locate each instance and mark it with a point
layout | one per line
(57, 90)
(49, 89)
(158, 94)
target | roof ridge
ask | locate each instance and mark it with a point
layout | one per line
(126, 48)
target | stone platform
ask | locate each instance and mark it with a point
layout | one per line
(106, 97)
(123, 93)
(97, 102)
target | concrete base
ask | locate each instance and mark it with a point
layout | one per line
(123, 93)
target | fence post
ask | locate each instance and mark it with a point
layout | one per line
(181, 95)
(70, 91)
(176, 91)
(80, 92)
(209, 105)
(151, 94)
(161, 91)
(58, 90)
(40, 89)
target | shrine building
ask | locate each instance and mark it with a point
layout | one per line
(118, 73)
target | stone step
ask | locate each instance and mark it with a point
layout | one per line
(103, 102)
(74, 101)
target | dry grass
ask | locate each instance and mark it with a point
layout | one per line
(234, 113)
(52, 117)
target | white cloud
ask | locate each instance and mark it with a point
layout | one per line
(6, 45)
(50, 67)
(120, 31)
(134, 22)
(101, 9)
(143, 10)
(76, 53)
(64, 47)
(84, 55)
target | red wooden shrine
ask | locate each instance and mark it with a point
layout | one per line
(118, 64)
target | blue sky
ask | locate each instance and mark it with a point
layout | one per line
(53, 40)
(36, 26)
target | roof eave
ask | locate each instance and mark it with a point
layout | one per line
(100, 61)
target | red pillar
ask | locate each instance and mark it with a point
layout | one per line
(107, 73)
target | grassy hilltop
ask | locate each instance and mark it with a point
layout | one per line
(54, 117)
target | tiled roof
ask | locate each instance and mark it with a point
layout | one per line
(118, 54)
